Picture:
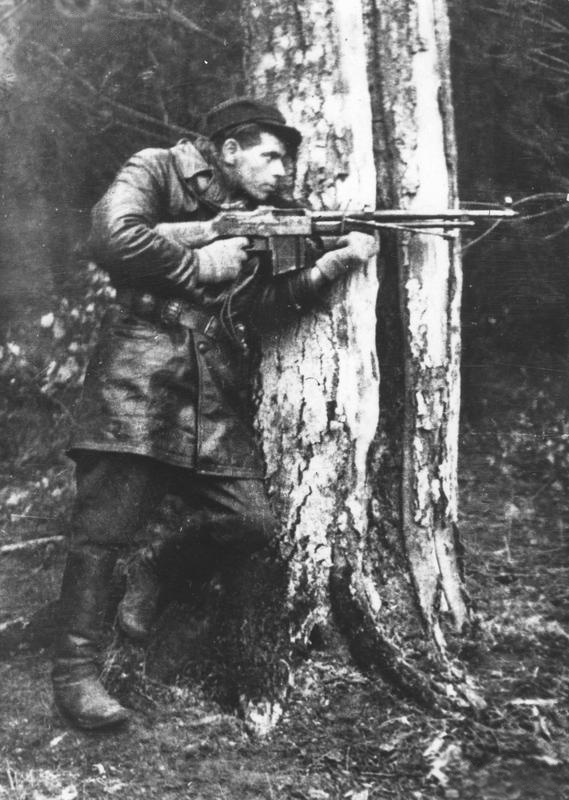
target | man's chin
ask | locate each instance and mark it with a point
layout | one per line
(267, 197)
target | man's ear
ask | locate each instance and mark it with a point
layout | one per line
(229, 150)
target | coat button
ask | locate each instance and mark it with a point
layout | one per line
(146, 303)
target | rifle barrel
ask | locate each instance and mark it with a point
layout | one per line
(408, 215)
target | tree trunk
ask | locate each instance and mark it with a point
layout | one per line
(366, 492)
(319, 383)
(28, 208)
(40, 227)
(417, 165)
(8, 32)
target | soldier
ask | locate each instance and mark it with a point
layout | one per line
(165, 406)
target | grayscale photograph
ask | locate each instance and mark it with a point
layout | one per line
(284, 399)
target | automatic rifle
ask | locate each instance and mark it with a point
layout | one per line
(288, 234)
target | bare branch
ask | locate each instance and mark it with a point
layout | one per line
(158, 89)
(532, 198)
(18, 5)
(531, 217)
(173, 15)
(114, 104)
(557, 233)
(547, 62)
(181, 19)
(31, 544)
(482, 236)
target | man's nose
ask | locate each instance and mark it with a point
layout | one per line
(278, 169)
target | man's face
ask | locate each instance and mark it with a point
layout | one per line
(257, 170)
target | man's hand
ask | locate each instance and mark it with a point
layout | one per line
(221, 261)
(353, 251)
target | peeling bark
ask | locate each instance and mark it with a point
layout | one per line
(417, 161)
(319, 383)
(8, 34)
(367, 498)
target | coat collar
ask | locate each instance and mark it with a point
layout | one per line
(201, 176)
(190, 161)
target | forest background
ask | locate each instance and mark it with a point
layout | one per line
(91, 83)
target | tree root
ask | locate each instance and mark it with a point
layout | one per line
(373, 650)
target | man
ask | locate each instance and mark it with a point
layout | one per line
(165, 402)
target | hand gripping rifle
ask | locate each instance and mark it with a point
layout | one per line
(283, 232)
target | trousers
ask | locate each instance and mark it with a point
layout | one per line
(116, 494)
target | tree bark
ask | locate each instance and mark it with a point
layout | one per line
(319, 383)
(367, 494)
(416, 156)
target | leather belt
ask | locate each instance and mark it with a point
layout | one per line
(171, 311)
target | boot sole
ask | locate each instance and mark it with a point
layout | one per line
(87, 724)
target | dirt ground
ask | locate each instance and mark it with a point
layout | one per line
(347, 735)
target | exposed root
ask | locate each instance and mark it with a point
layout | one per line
(373, 650)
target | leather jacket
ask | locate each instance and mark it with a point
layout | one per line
(170, 375)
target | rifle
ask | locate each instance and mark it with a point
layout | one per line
(282, 232)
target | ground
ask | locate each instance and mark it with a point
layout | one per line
(348, 735)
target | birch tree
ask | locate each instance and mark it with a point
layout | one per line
(363, 474)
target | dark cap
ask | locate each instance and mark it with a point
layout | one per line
(245, 110)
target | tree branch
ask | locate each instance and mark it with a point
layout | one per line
(188, 24)
(174, 16)
(114, 104)
(31, 544)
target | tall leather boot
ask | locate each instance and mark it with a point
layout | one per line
(78, 692)
(144, 594)
(154, 571)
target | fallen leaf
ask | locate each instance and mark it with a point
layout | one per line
(435, 746)
(543, 702)
(57, 740)
(550, 761)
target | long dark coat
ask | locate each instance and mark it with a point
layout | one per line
(170, 391)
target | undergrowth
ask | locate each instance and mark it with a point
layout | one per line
(345, 735)
(43, 357)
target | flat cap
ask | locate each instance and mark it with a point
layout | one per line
(244, 110)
